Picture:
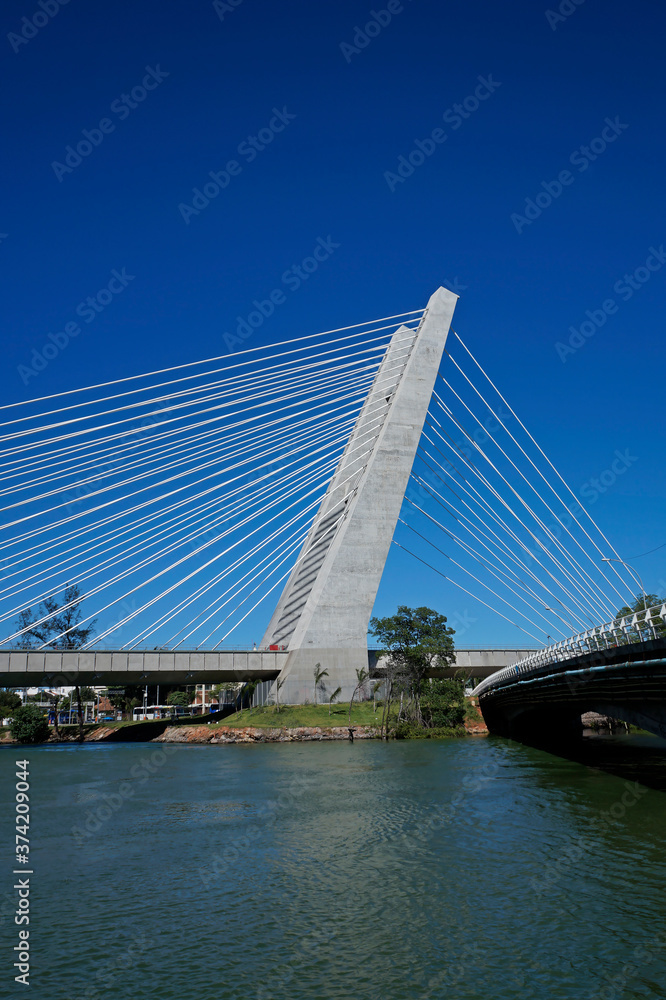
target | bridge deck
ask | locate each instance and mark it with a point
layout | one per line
(626, 681)
(50, 668)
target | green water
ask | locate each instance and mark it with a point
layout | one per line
(472, 868)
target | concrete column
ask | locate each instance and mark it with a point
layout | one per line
(324, 611)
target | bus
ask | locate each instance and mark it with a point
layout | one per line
(141, 714)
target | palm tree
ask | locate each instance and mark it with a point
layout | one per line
(375, 688)
(55, 698)
(319, 675)
(361, 677)
(333, 697)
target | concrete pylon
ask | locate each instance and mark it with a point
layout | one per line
(324, 610)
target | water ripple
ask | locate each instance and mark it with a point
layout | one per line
(466, 869)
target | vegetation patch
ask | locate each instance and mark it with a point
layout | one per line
(410, 731)
(29, 725)
(295, 716)
(417, 641)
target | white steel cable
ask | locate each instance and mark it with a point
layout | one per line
(214, 420)
(328, 465)
(479, 499)
(512, 534)
(175, 431)
(574, 598)
(99, 507)
(179, 544)
(149, 502)
(160, 451)
(36, 532)
(165, 526)
(587, 555)
(87, 529)
(332, 527)
(166, 592)
(285, 553)
(254, 498)
(361, 387)
(576, 567)
(162, 572)
(485, 563)
(186, 602)
(261, 398)
(474, 531)
(550, 555)
(488, 511)
(310, 368)
(475, 578)
(464, 589)
(271, 358)
(219, 449)
(562, 480)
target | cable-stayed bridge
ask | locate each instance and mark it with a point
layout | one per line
(270, 484)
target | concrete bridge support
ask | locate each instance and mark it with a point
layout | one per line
(323, 613)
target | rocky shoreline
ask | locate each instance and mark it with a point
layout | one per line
(250, 734)
(247, 734)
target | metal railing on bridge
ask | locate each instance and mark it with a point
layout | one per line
(639, 627)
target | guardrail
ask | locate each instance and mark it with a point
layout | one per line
(639, 627)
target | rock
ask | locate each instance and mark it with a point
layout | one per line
(249, 734)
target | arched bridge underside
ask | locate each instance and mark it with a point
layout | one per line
(627, 682)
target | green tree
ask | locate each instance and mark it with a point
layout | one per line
(9, 701)
(319, 675)
(393, 680)
(29, 725)
(69, 701)
(181, 698)
(220, 689)
(333, 697)
(361, 677)
(638, 607)
(415, 642)
(443, 703)
(54, 699)
(247, 694)
(56, 625)
(127, 699)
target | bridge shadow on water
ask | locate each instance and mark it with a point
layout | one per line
(637, 757)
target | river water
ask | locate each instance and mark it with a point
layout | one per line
(471, 868)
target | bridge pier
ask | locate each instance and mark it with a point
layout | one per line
(323, 613)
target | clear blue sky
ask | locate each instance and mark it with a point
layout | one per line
(217, 77)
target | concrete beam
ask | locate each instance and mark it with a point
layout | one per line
(48, 668)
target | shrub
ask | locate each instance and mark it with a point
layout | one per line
(29, 725)
(410, 731)
(443, 704)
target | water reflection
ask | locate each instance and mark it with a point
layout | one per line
(470, 868)
(634, 757)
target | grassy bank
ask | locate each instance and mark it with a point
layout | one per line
(293, 716)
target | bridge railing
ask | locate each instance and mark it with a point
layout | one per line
(639, 627)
